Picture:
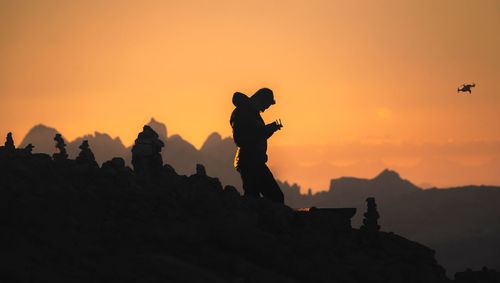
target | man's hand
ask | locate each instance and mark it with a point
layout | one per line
(274, 126)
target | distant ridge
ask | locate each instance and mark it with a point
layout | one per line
(218, 148)
(461, 223)
(213, 140)
(159, 128)
(445, 218)
(387, 184)
(104, 146)
(388, 175)
(216, 154)
(41, 137)
(67, 220)
(390, 180)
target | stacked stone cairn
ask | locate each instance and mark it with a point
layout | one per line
(9, 143)
(200, 170)
(86, 156)
(146, 152)
(61, 146)
(9, 148)
(370, 222)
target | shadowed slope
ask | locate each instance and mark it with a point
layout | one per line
(64, 222)
(462, 223)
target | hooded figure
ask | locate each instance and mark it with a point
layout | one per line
(250, 134)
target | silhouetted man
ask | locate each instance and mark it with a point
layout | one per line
(250, 134)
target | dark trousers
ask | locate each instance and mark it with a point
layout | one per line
(258, 179)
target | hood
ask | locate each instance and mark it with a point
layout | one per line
(240, 99)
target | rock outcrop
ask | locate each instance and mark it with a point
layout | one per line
(63, 224)
(146, 152)
(61, 146)
(86, 156)
(370, 222)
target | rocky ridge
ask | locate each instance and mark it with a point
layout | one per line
(64, 220)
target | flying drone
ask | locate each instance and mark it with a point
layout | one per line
(466, 88)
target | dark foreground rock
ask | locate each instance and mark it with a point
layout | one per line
(64, 222)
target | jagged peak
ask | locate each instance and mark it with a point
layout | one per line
(215, 140)
(41, 127)
(176, 137)
(212, 140)
(95, 135)
(104, 135)
(391, 178)
(99, 136)
(388, 174)
(214, 136)
(39, 133)
(159, 127)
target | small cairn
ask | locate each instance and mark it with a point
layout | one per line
(146, 152)
(9, 147)
(10, 150)
(86, 156)
(200, 170)
(370, 222)
(61, 146)
(9, 143)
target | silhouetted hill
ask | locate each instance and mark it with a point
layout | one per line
(182, 155)
(216, 153)
(459, 220)
(390, 182)
(462, 223)
(387, 185)
(217, 148)
(105, 146)
(42, 137)
(65, 220)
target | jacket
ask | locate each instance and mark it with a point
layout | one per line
(250, 133)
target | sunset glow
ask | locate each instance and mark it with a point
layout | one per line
(363, 82)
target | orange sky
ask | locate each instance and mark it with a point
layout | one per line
(342, 71)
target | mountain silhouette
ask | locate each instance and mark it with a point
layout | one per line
(105, 147)
(216, 154)
(218, 148)
(461, 223)
(182, 155)
(159, 128)
(387, 185)
(435, 217)
(66, 220)
(42, 137)
(389, 182)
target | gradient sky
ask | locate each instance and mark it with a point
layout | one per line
(342, 71)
